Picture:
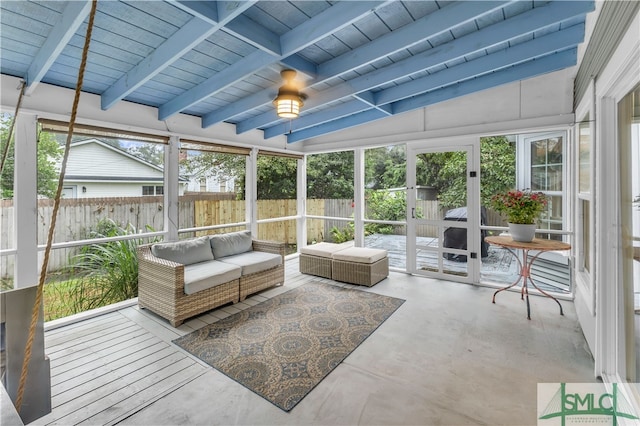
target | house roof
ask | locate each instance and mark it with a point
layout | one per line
(84, 169)
(357, 61)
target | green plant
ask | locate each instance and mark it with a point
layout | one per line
(386, 205)
(109, 271)
(345, 234)
(522, 207)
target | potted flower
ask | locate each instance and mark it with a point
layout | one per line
(523, 209)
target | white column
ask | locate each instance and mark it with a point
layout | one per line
(172, 188)
(301, 204)
(358, 194)
(25, 200)
(251, 192)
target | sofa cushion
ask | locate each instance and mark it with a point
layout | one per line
(231, 243)
(186, 252)
(204, 275)
(325, 249)
(360, 255)
(254, 261)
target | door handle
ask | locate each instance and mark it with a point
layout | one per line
(413, 213)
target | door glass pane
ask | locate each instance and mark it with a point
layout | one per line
(441, 232)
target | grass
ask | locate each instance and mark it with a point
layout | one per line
(68, 297)
(64, 296)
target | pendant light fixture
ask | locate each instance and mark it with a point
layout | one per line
(289, 100)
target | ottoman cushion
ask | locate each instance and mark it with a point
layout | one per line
(360, 255)
(323, 249)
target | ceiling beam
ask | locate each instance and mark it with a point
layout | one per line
(527, 51)
(525, 23)
(332, 19)
(370, 99)
(72, 18)
(242, 27)
(248, 31)
(181, 42)
(547, 64)
(550, 43)
(429, 26)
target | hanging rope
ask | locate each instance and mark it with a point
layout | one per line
(5, 151)
(43, 272)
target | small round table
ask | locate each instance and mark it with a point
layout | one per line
(539, 245)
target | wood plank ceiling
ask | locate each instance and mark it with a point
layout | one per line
(357, 61)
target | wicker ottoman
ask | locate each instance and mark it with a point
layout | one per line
(360, 265)
(316, 259)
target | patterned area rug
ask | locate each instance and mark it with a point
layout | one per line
(283, 347)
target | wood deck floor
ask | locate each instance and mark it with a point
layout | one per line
(106, 368)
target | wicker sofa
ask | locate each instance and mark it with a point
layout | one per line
(181, 279)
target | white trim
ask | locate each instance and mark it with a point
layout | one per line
(301, 203)
(585, 283)
(251, 192)
(172, 188)
(607, 277)
(358, 196)
(25, 185)
(82, 316)
(615, 82)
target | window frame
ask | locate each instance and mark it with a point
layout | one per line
(585, 278)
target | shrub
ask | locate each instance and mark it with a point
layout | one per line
(108, 271)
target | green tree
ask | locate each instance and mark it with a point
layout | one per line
(277, 178)
(330, 175)
(216, 165)
(149, 152)
(49, 154)
(446, 171)
(385, 167)
(497, 167)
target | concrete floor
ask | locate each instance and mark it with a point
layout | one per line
(448, 356)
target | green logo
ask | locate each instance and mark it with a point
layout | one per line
(586, 401)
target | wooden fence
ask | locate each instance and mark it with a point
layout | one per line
(79, 217)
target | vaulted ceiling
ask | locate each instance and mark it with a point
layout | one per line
(357, 61)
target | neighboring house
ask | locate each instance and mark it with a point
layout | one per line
(199, 183)
(96, 169)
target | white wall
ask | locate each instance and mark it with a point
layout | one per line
(531, 104)
(92, 159)
(55, 103)
(536, 103)
(110, 189)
